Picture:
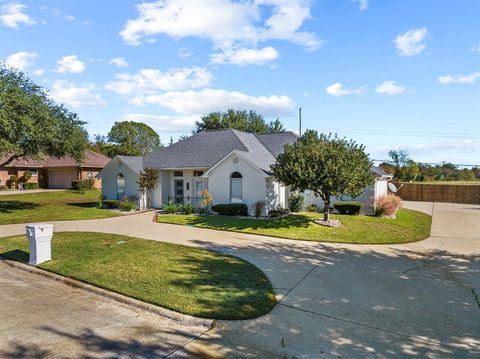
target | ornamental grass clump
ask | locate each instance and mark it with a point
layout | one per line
(387, 206)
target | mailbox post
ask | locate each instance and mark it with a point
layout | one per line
(40, 242)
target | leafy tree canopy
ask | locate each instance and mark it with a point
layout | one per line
(327, 165)
(248, 121)
(32, 125)
(131, 139)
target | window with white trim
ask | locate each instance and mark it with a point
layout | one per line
(236, 184)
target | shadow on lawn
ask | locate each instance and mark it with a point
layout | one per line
(16, 255)
(225, 287)
(8, 207)
(83, 204)
(238, 224)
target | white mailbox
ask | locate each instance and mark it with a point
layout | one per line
(40, 242)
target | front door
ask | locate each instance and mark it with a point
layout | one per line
(178, 187)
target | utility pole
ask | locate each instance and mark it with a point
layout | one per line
(299, 121)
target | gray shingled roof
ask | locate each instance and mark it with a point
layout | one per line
(377, 171)
(135, 163)
(207, 148)
(274, 142)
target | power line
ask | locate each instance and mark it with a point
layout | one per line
(434, 163)
(413, 133)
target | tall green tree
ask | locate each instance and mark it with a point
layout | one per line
(400, 159)
(248, 121)
(32, 125)
(133, 139)
(326, 165)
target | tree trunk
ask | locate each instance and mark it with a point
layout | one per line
(9, 160)
(326, 210)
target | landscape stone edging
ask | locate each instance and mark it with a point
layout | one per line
(138, 304)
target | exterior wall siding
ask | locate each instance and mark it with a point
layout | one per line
(109, 180)
(368, 197)
(254, 186)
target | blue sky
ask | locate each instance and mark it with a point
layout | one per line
(390, 73)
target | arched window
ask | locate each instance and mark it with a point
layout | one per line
(120, 186)
(236, 187)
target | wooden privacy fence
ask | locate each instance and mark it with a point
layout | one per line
(449, 193)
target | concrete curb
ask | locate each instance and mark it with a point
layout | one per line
(138, 304)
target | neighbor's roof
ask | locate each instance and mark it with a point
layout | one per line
(377, 171)
(205, 149)
(93, 159)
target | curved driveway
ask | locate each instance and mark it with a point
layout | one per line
(338, 300)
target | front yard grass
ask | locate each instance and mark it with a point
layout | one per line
(51, 206)
(189, 280)
(409, 226)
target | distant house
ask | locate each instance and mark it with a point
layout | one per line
(234, 166)
(52, 172)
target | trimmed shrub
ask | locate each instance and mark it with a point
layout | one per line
(187, 208)
(127, 204)
(258, 207)
(170, 208)
(12, 182)
(278, 212)
(387, 206)
(30, 185)
(313, 208)
(80, 185)
(110, 203)
(352, 208)
(231, 209)
(295, 202)
(27, 175)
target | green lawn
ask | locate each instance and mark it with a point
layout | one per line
(409, 226)
(451, 183)
(189, 280)
(51, 206)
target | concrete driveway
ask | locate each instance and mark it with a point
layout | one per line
(347, 301)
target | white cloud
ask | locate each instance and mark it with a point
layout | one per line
(39, 72)
(21, 60)
(224, 22)
(153, 80)
(119, 62)
(183, 53)
(390, 88)
(178, 124)
(76, 96)
(337, 90)
(12, 14)
(61, 15)
(70, 64)
(459, 79)
(475, 48)
(460, 146)
(412, 42)
(362, 4)
(207, 100)
(243, 56)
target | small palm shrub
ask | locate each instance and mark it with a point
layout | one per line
(295, 202)
(127, 204)
(187, 208)
(170, 208)
(387, 206)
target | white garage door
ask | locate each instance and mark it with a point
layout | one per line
(61, 178)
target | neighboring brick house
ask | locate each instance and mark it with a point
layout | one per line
(52, 172)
